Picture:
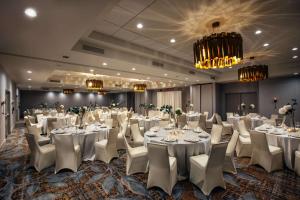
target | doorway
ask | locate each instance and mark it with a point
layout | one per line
(234, 100)
(7, 113)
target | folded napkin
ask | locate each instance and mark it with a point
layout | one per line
(198, 130)
(185, 127)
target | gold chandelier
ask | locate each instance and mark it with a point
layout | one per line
(94, 84)
(218, 50)
(68, 91)
(139, 87)
(253, 73)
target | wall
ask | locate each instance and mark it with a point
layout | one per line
(6, 84)
(31, 99)
(284, 89)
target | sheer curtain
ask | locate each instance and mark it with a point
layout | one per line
(172, 98)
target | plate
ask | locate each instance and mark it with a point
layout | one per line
(169, 139)
(151, 134)
(192, 140)
(203, 135)
(197, 131)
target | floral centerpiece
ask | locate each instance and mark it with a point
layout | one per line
(80, 111)
(243, 107)
(178, 111)
(166, 109)
(113, 104)
(147, 107)
(289, 109)
(251, 106)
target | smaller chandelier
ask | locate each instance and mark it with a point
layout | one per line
(218, 50)
(68, 91)
(93, 84)
(253, 73)
(139, 87)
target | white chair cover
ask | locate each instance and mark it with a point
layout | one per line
(121, 134)
(36, 131)
(229, 165)
(162, 168)
(109, 123)
(216, 134)
(297, 162)
(106, 150)
(68, 154)
(137, 159)
(207, 171)
(269, 157)
(138, 139)
(243, 129)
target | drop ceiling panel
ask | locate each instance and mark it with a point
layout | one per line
(119, 16)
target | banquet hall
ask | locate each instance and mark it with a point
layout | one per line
(150, 99)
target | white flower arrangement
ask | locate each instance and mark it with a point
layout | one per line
(191, 105)
(252, 106)
(285, 109)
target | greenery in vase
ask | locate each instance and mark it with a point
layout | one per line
(166, 109)
(178, 111)
(289, 109)
(146, 106)
(113, 104)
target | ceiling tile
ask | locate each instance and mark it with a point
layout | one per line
(106, 27)
(135, 6)
(119, 16)
(125, 35)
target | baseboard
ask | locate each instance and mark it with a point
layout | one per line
(2, 143)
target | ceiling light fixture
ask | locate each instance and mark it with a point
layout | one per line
(253, 73)
(133, 69)
(93, 84)
(266, 44)
(294, 57)
(172, 40)
(258, 32)
(91, 70)
(29, 79)
(118, 74)
(295, 49)
(218, 50)
(139, 25)
(165, 74)
(29, 72)
(296, 73)
(30, 12)
(139, 87)
(68, 91)
(104, 63)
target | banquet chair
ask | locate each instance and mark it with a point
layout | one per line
(163, 123)
(181, 120)
(162, 168)
(68, 155)
(216, 133)
(248, 123)
(136, 121)
(209, 122)
(115, 122)
(243, 129)
(229, 165)
(30, 121)
(229, 114)
(36, 131)
(109, 123)
(206, 172)
(39, 118)
(297, 161)
(121, 135)
(227, 128)
(274, 116)
(138, 139)
(41, 157)
(137, 159)
(106, 149)
(202, 121)
(193, 124)
(206, 114)
(267, 156)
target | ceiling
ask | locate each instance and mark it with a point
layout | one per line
(105, 31)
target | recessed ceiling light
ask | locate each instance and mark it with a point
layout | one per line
(29, 79)
(172, 40)
(186, 78)
(91, 70)
(258, 32)
(118, 74)
(148, 78)
(296, 73)
(133, 69)
(29, 72)
(139, 25)
(30, 12)
(68, 74)
(66, 57)
(266, 44)
(294, 57)
(230, 67)
(29, 86)
(104, 63)
(165, 74)
(295, 49)
(197, 80)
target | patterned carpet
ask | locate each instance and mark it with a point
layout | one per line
(97, 180)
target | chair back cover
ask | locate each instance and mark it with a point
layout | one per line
(112, 138)
(259, 141)
(206, 114)
(216, 157)
(248, 123)
(158, 157)
(134, 121)
(32, 143)
(109, 123)
(219, 119)
(35, 131)
(135, 131)
(39, 118)
(202, 121)
(64, 146)
(232, 143)
(181, 120)
(242, 128)
(216, 133)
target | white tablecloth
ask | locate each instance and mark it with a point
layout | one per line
(255, 121)
(62, 120)
(182, 149)
(195, 116)
(147, 123)
(86, 138)
(281, 138)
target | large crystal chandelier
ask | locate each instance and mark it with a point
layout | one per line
(218, 50)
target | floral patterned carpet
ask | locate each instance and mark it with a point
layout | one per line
(97, 180)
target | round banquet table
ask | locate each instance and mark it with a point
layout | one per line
(86, 138)
(181, 149)
(61, 120)
(279, 137)
(195, 116)
(147, 123)
(255, 121)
